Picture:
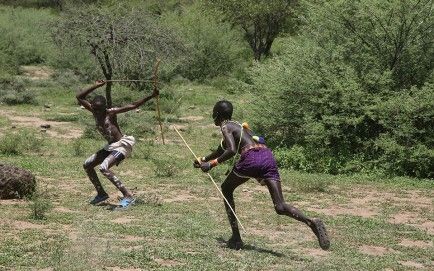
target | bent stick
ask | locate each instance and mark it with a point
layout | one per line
(212, 179)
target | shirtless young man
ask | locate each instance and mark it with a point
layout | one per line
(256, 161)
(118, 148)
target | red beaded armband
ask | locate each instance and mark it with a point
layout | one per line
(214, 162)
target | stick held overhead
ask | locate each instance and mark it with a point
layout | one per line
(129, 80)
(212, 179)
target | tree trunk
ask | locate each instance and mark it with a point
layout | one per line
(108, 93)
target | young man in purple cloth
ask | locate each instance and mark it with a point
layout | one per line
(255, 161)
(118, 146)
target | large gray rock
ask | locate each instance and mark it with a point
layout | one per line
(15, 182)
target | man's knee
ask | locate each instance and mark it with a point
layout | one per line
(226, 189)
(89, 163)
(104, 167)
(103, 170)
(87, 166)
(280, 209)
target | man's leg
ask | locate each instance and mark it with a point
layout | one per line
(228, 187)
(105, 170)
(89, 165)
(282, 208)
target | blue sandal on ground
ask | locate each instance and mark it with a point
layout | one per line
(126, 202)
(99, 198)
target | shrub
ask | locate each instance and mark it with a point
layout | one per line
(293, 158)
(25, 37)
(143, 151)
(214, 47)
(13, 92)
(40, 204)
(15, 143)
(349, 104)
(10, 144)
(164, 168)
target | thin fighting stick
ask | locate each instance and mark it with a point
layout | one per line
(212, 179)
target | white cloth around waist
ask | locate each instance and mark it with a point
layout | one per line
(124, 145)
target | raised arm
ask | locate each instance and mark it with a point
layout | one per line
(134, 105)
(81, 96)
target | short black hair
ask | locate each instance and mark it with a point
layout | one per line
(222, 110)
(99, 99)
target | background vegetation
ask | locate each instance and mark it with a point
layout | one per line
(343, 88)
(350, 80)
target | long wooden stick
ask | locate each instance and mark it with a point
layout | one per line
(155, 82)
(212, 179)
(128, 80)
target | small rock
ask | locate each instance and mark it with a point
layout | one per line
(45, 126)
(43, 130)
(81, 107)
(138, 110)
(47, 106)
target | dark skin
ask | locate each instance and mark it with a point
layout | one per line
(107, 125)
(231, 134)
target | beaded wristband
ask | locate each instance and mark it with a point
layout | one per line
(214, 162)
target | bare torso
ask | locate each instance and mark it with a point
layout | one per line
(108, 127)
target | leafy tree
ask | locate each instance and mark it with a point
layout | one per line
(352, 93)
(122, 42)
(392, 36)
(261, 20)
(213, 47)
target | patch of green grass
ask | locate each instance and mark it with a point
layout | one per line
(17, 142)
(165, 168)
(64, 118)
(179, 222)
(40, 204)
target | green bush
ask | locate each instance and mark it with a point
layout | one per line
(406, 146)
(342, 102)
(229, 84)
(293, 158)
(164, 168)
(13, 92)
(40, 204)
(143, 150)
(10, 144)
(214, 47)
(17, 142)
(25, 38)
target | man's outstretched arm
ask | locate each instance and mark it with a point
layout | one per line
(133, 105)
(222, 154)
(81, 96)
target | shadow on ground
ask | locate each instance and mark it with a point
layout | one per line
(224, 243)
